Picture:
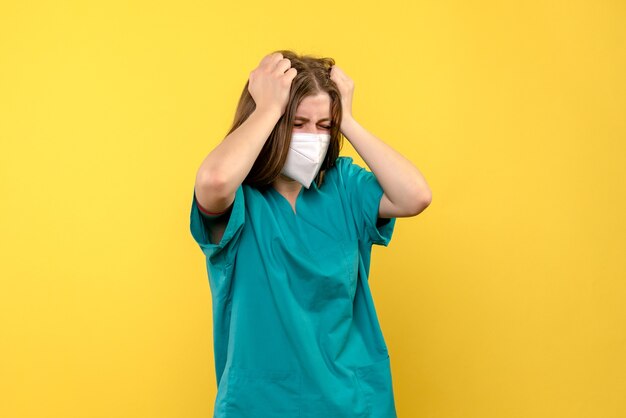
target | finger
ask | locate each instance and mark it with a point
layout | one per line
(266, 59)
(337, 73)
(283, 65)
(290, 74)
(271, 59)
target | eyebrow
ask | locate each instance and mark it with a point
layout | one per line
(306, 120)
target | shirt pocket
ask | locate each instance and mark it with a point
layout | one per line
(253, 393)
(375, 383)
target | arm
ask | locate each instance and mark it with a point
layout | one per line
(226, 167)
(406, 192)
(228, 164)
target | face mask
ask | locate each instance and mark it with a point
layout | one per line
(305, 157)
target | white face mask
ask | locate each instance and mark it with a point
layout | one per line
(305, 157)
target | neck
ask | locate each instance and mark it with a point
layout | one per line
(286, 185)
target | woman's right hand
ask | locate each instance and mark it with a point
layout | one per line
(270, 82)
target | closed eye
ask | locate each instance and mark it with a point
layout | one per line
(299, 125)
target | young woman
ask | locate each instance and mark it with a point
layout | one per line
(287, 226)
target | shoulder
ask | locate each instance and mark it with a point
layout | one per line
(343, 164)
(338, 171)
(350, 172)
(343, 161)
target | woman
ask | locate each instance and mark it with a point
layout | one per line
(287, 226)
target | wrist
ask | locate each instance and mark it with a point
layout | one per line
(270, 112)
(347, 120)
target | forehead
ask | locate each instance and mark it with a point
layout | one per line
(318, 105)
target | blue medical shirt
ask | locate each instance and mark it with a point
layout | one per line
(295, 329)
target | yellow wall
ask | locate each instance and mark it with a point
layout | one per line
(504, 299)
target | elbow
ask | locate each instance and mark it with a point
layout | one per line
(210, 180)
(420, 202)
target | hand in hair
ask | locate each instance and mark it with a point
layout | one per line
(346, 88)
(270, 82)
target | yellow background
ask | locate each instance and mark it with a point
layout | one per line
(504, 299)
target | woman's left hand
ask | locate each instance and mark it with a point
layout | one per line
(346, 88)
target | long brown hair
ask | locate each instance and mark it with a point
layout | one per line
(313, 78)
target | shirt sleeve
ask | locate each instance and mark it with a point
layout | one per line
(200, 225)
(364, 194)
